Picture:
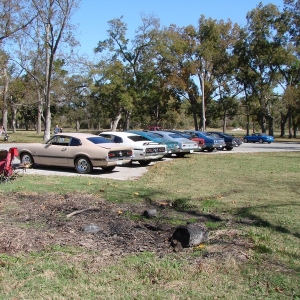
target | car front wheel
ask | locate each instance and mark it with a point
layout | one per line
(83, 165)
(144, 162)
(260, 141)
(26, 158)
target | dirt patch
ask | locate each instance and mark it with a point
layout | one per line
(33, 222)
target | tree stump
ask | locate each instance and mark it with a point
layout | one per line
(91, 228)
(150, 213)
(190, 235)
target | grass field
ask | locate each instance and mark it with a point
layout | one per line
(250, 204)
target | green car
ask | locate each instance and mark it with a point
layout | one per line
(172, 146)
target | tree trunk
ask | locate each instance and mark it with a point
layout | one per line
(195, 118)
(40, 113)
(127, 123)
(224, 122)
(48, 86)
(263, 123)
(5, 91)
(115, 122)
(282, 124)
(271, 125)
(77, 125)
(290, 123)
(295, 129)
(14, 116)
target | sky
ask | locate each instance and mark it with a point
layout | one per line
(92, 16)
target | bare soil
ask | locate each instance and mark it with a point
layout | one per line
(33, 222)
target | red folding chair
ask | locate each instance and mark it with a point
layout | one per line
(6, 167)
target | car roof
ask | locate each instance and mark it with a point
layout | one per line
(119, 133)
(77, 134)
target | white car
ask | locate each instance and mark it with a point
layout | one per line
(145, 150)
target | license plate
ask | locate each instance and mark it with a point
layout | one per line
(120, 162)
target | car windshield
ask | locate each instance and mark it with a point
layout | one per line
(138, 138)
(98, 140)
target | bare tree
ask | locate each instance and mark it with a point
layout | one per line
(15, 16)
(55, 29)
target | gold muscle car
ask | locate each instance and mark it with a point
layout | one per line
(80, 150)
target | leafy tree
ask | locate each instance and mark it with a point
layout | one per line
(258, 50)
(138, 57)
(201, 57)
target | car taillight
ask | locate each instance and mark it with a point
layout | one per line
(111, 154)
(129, 153)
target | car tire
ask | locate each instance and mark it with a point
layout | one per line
(245, 140)
(260, 141)
(83, 165)
(228, 148)
(210, 149)
(26, 158)
(180, 154)
(108, 169)
(144, 162)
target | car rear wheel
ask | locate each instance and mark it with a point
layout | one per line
(26, 158)
(144, 162)
(108, 169)
(260, 141)
(180, 154)
(245, 140)
(83, 165)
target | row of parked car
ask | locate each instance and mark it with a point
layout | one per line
(109, 149)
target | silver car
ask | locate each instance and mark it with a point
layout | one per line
(185, 145)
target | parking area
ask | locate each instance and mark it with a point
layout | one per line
(135, 170)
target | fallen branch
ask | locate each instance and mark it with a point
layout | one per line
(76, 212)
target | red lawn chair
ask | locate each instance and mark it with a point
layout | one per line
(6, 167)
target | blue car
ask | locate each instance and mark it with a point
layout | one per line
(258, 137)
(211, 142)
(230, 140)
(172, 146)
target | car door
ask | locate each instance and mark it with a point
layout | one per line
(55, 152)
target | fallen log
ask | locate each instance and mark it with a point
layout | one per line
(76, 212)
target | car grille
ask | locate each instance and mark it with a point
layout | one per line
(120, 153)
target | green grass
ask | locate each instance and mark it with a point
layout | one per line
(257, 195)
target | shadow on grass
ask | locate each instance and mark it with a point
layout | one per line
(259, 222)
